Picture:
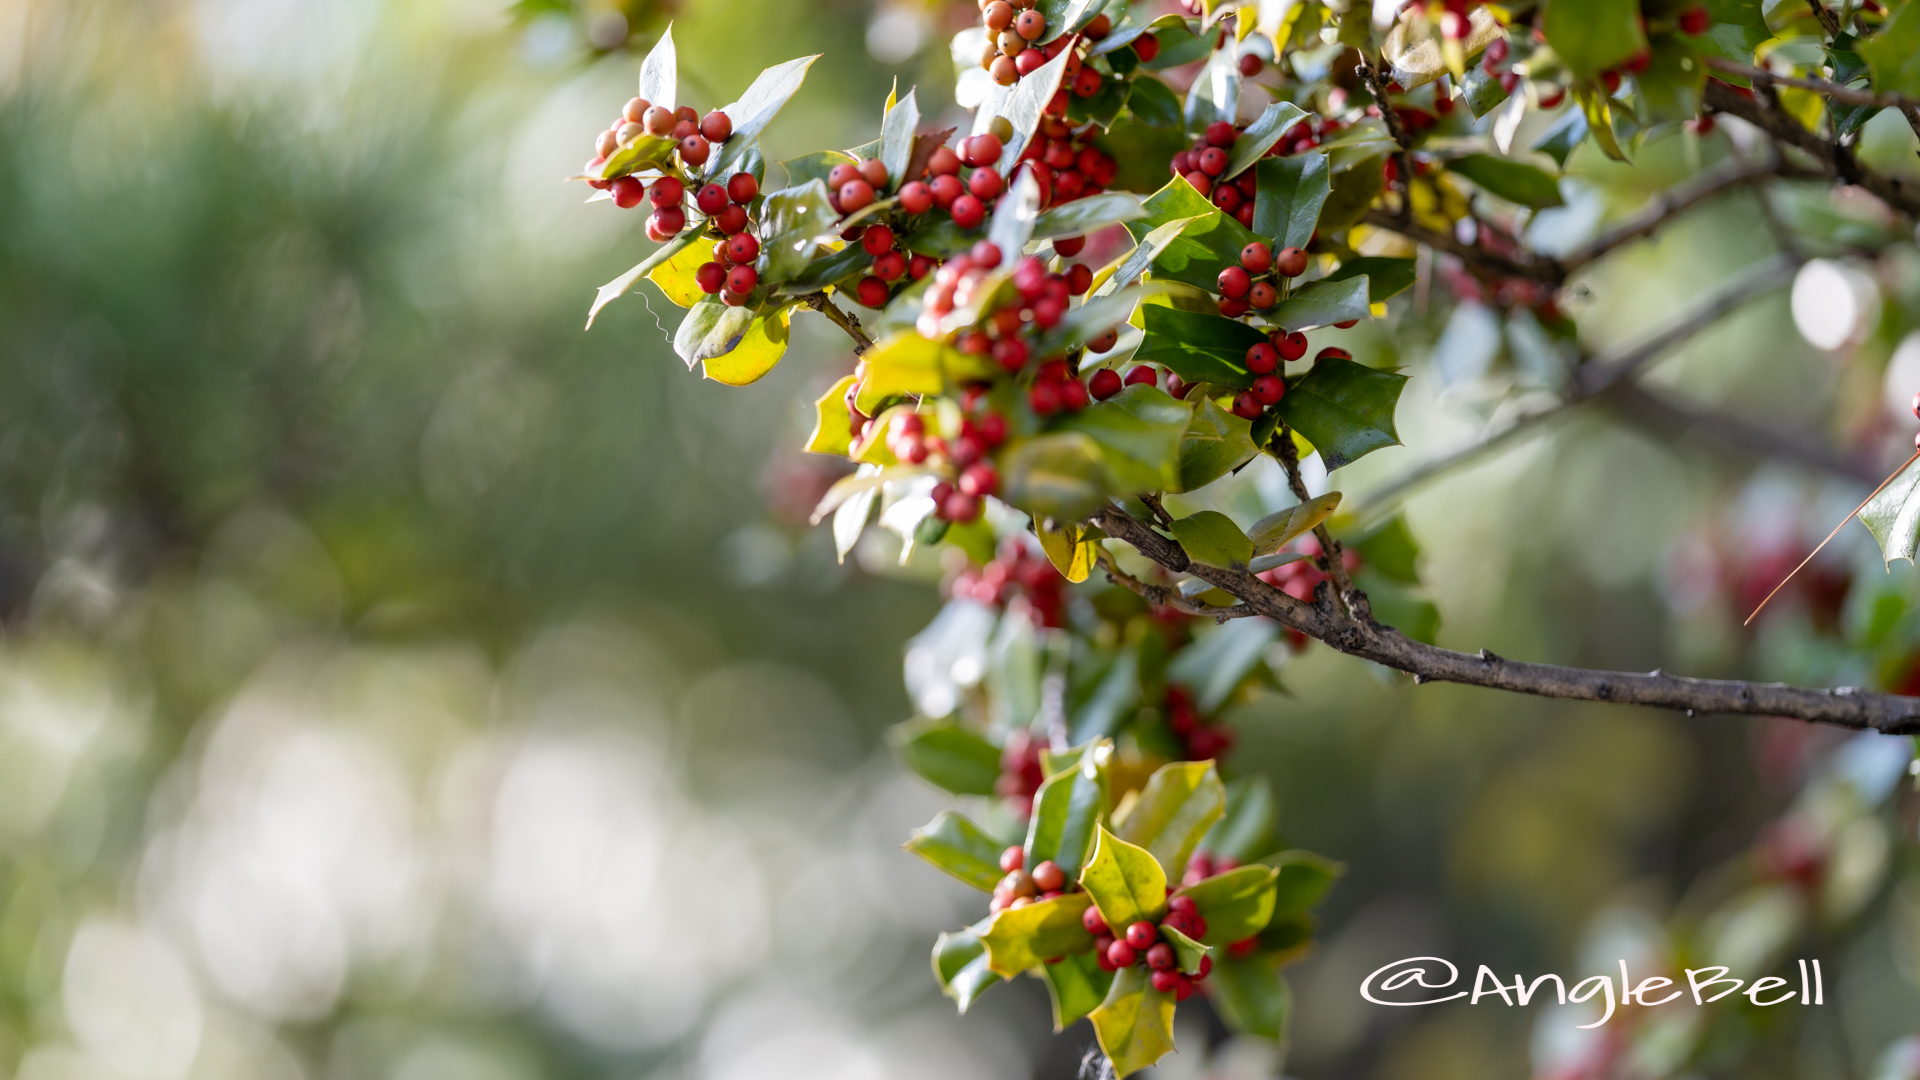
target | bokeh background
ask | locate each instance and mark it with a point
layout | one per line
(398, 682)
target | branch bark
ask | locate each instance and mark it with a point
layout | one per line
(1835, 160)
(1361, 636)
(1528, 265)
(821, 303)
(1846, 95)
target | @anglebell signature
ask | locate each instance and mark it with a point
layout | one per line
(1419, 976)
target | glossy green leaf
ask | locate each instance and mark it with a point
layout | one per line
(1179, 803)
(1065, 16)
(1323, 303)
(1212, 538)
(1593, 35)
(793, 224)
(756, 109)
(1251, 996)
(1214, 94)
(660, 72)
(1286, 209)
(896, 139)
(1514, 181)
(1135, 1023)
(1060, 475)
(954, 757)
(1126, 882)
(619, 286)
(1127, 33)
(1893, 516)
(1139, 432)
(954, 844)
(1067, 548)
(1279, 528)
(1599, 110)
(1386, 277)
(1083, 216)
(1215, 443)
(710, 329)
(832, 426)
(1566, 134)
(1894, 52)
(960, 964)
(1482, 92)
(1252, 144)
(1199, 347)
(1246, 830)
(1848, 67)
(1390, 549)
(1187, 951)
(1202, 249)
(1345, 409)
(1139, 259)
(1738, 28)
(815, 166)
(1303, 880)
(1135, 147)
(1076, 985)
(1066, 812)
(1154, 104)
(645, 152)
(1354, 189)
(827, 268)
(1018, 939)
(1104, 107)
(1237, 904)
(1024, 108)
(1220, 662)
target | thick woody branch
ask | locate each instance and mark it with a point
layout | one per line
(1524, 264)
(1322, 620)
(821, 303)
(1833, 159)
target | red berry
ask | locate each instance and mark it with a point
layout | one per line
(1074, 396)
(981, 150)
(1121, 955)
(985, 255)
(1226, 197)
(968, 212)
(1609, 79)
(1104, 384)
(944, 162)
(1181, 905)
(1262, 358)
(1247, 407)
(710, 277)
(1206, 968)
(1105, 342)
(1201, 182)
(874, 172)
(1011, 353)
(855, 194)
(1244, 215)
(733, 299)
(1234, 283)
(1044, 400)
(1047, 876)
(1101, 947)
(1142, 375)
(742, 187)
(916, 197)
(1269, 389)
(1244, 948)
(1146, 47)
(682, 129)
(667, 191)
(1087, 83)
(980, 479)
(1142, 934)
(732, 220)
(1160, 957)
(890, 267)
(1178, 386)
(1079, 279)
(945, 189)
(1333, 352)
(1095, 925)
(716, 126)
(960, 508)
(711, 199)
(627, 192)
(1213, 161)
(1292, 346)
(742, 248)
(694, 150)
(1182, 988)
(985, 184)
(1250, 65)
(1165, 980)
(742, 279)
(1347, 325)
(666, 223)
(1028, 62)
(1220, 134)
(919, 266)
(1232, 308)
(1290, 262)
(871, 292)
(1916, 405)
(1012, 859)
(993, 429)
(1695, 21)
(841, 175)
(1068, 246)
(878, 240)
(1257, 257)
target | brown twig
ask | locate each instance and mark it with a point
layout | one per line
(1835, 160)
(1525, 265)
(1375, 77)
(1828, 21)
(1166, 596)
(1667, 205)
(1330, 558)
(1322, 620)
(1846, 95)
(820, 302)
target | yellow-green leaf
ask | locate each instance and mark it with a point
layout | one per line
(1188, 951)
(1077, 985)
(1180, 803)
(1271, 533)
(1125, 882)
(832, 426)
(1067, 548)
(1212, 538)
(1135, 1023)
(1237, 904)
(675, 277)
(1021, 938)
(907, 363)
(760, 348)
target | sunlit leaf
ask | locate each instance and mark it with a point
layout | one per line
(710, 328)
(1125, 881)
(1386, 277)
(1212, 538)
(907, 363)
(1077, 985)
(1138, 431)
(1199, 347)
(1018, 939)
(1245, 831)
(660, 72)
(1252, 144)
(960, 963)
(1135, 1023)
(1893, 516)
(1215, 443)
(1323, 303)
(1236, 904)
(1515, 181)
(1180, 802)
(755, 354)
(793, 223)
(1067, 547)
(896, 139)
(1083, 216)
(1276, 530)
(676, 277)
(1286, 207)
(955, 757)
(1591, 36)
(1066, 811)
(832, 425)
(619, 286)
(961, 848)
(1187, 952)
(756, 109)
(1024, 108)
(1061, 475)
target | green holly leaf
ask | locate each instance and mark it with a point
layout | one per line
(896, 139)
(1135, 1023)
(1245, 831)
(710, 328)
(1591, 36)
(619, 286)
(1135, 146)
(1390, 549)
(1323, 303)
(1197, 346)
(1672, 83)
(1104, 107)
(1894, 52)
(1237, 904)
(1138, 260)
(1251, 996)
(1083, 216)
(1893, 516)
(1386, 277)
(1218, 663)
(815, 166)
(660, 72)
(1126, 33)
(827, 268)
(1276, 530)
(1076, 985)
(1599, 110)
(1018, 939)
(1514, 181)
(1214, 94)
(1738, 28)
(794, 222)
(960, 963)
(1354, 189)
(1126, 882)
(1188, 951)
(1483, 92)
(1215, 443)
(954, 844)
(1062, 475)
(1345, 409)
(1024, 108)
(953, 757)
(1204, 247)
(1291, 192)
(1303, 880)
(832, 427)
(1065, 16)
(644, 152)
(1180, 803)
(1566, 134)
(1066, 812)
(1848, 67)
(908, 364)
(756, 109)
(1252, 144)
(1212, 538)
(1154, 104)
(1139, 432)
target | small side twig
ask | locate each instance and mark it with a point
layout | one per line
(1330, 558)
(1166, 596)
(1845, 95)
(820, 302)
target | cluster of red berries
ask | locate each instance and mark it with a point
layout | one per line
(1204, 164)
(695, 136)
(731, 273)
(1299, 577)
(965, 454)
(1040, 301)
(1204, 741)
(1016, 573)
(1020, 777)
(1107, 382)
(889, 265)
(1140, 943)
(1307, 134)
(1065, 165)
(1022, 887)
(1252, 285)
